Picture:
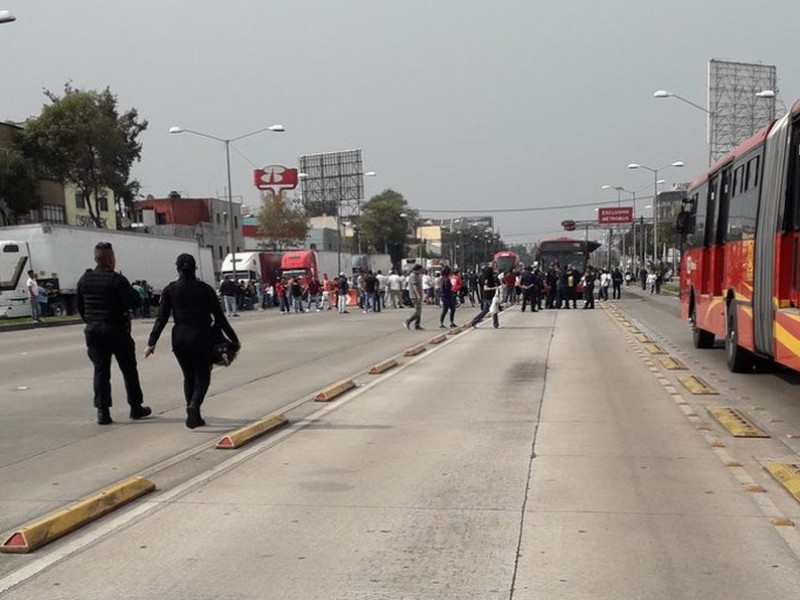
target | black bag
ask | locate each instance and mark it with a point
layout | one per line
(223, 351)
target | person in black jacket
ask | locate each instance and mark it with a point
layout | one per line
(105, 299)
(193, 304)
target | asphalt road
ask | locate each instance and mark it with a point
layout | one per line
(552, 458)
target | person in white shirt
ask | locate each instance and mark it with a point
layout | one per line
(33, 293)
(381, 301)
(395, 284)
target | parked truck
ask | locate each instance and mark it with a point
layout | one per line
(60, 254)
(308, 263)
(254, 266)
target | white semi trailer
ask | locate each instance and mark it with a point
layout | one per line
(60, 254)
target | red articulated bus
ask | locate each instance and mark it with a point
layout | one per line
(740, 268)
(505, 261)
(565, 251)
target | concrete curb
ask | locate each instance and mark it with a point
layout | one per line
(337, 389)
(381, 367)
(414, 351)
(50, 527)
(248, 433)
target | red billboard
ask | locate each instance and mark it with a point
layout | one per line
(619, 215)
(275, 178)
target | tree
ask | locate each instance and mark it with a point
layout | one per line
(281, 224)
(19, 186)
(382, 226)
(80, 138)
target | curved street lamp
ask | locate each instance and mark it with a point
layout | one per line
(7, 17)
(227, 142)
(677, 164)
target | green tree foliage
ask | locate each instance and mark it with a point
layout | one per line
(281, 224)
(82, 139)
(18, 186)
(381, 225)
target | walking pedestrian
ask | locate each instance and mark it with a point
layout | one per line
(416, 295)
(104, 300)
(588, 287)
(193, 306)
(527, 285)
(447, 297)
(489, 284)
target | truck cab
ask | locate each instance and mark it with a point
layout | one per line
(15, 261)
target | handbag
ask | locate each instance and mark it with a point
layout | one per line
(223, 350)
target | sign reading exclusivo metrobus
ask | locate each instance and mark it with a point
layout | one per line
(615, 216)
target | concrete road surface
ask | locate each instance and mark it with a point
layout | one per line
(547, 459)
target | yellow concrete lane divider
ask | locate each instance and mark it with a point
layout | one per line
(248, 433)
(337, 389)
(414, 351)
(382, 367)
(736, 422)
(697, 386)
(50, 527)
(438, 339)
(788, 475)
(653, 348)
(672, 364)
(642, 337)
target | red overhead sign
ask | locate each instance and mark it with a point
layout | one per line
(615, 216)
(275, 178)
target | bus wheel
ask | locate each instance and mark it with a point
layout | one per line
(701, 337)
(739, 359)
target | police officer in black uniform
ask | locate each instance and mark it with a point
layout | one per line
(105, 299)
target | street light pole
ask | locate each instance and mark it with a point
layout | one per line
(667, 94)
(7, 17)
(227, 142)
(676, 163)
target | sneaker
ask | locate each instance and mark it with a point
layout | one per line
(418, 328)
(442, 326)
(453, 325)
(140, 412)
(405, 324)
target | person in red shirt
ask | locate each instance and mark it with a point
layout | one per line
(314, 287)
(509, 279)
(458, 285)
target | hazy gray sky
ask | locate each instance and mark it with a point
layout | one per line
(457, 104)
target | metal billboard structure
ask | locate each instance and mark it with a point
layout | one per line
(334, 180)
(736, 110)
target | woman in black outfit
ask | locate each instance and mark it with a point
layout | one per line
(192, 304)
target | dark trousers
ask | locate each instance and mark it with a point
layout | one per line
(192, 348)
(588, 295)
(530, 297)
(617, 291)
(101, 348)
(448, 305)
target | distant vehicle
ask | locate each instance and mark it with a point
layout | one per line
(257, 266)
(505, 261)
(565, 251)
(740, 225)
(60, 254)
(309, 263)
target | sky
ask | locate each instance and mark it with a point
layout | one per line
(520, 109)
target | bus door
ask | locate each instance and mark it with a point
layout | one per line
(793, 219)
(719, 224)
(707, 261)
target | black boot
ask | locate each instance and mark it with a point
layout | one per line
(140, 411)
(104, 416)
(193, 418)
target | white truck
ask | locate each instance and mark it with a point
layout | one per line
(60, 254)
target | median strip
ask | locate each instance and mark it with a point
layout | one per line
(337, 389)
(672, 364)
(788, 475)
(248, 433)
(50, 527)
(438, 339)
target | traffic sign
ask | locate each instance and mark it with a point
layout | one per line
(619, 215)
